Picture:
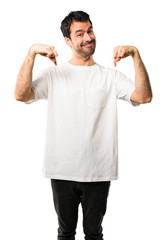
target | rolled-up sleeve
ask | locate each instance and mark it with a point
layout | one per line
(124, 87)
(40, 86)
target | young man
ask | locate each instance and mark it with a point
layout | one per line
(81, 150)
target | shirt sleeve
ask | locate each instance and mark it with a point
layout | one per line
(124, 88)
(40, 86)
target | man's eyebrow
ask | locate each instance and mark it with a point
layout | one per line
(90, 27)
(80, 30)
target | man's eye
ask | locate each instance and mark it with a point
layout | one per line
(90, 31)
(79, 35)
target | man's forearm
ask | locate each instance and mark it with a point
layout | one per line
(142, 83)
(23, 90)
(24, 79)
(143, 91)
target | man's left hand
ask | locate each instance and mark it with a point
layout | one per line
(123, 52)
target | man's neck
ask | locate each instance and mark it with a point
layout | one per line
(82, 61)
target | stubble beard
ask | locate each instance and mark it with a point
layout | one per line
(87, 52)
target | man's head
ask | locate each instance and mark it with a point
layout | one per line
(78, 32)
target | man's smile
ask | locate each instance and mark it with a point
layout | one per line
(87, 44)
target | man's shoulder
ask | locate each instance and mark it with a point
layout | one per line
(106, 69)
(53, 68)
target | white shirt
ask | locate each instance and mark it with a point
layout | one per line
(81, 141)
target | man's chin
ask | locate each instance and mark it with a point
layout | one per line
(87, 52)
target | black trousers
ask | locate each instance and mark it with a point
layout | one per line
(67, 196)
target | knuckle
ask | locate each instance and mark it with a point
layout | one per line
(48, 49)
(52, 48)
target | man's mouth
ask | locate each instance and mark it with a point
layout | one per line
(87, 44)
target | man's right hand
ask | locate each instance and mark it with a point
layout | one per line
(44, 50)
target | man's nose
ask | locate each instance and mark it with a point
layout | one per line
(87, 37)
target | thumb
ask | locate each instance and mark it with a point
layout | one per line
(55, 53)
(53, 59)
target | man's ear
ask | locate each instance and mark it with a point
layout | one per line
(68, 41)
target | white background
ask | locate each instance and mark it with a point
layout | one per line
(26, 207)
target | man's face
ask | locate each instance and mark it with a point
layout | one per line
(83, 40)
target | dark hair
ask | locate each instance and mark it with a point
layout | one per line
(77, 16)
